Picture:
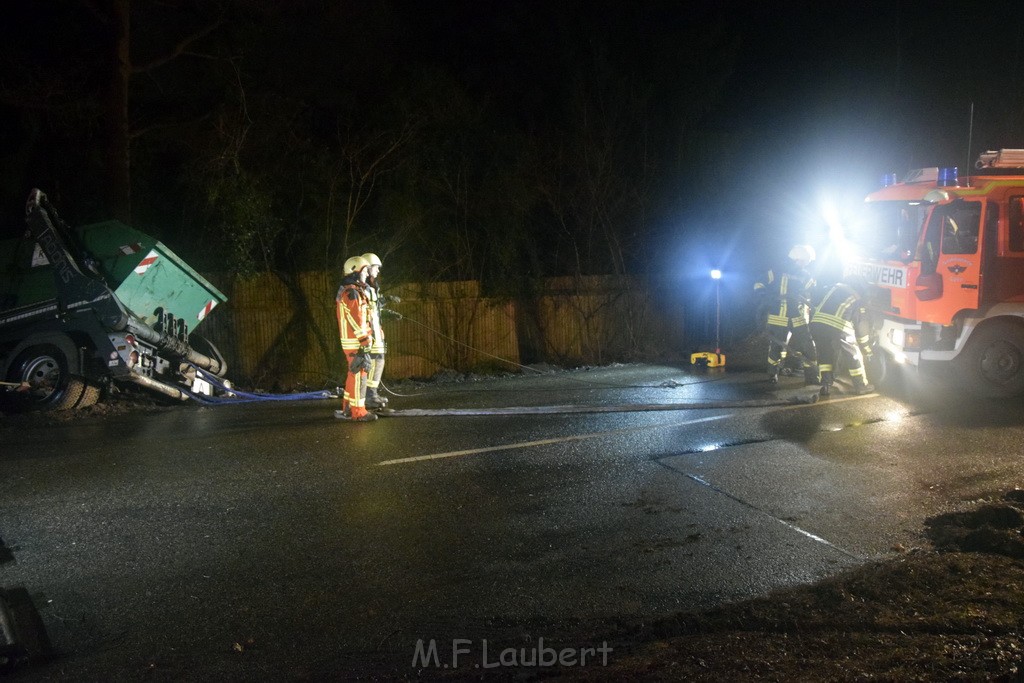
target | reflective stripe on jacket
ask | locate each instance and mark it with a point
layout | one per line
(376, 331)
(842, 309)
(789, 294)
(352, 308)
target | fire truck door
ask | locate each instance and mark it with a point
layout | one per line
(958, 260)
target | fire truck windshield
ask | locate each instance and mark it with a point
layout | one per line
(888, 230)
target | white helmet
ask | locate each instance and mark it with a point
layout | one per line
(804, 253)
(373, 259)
(355, 264)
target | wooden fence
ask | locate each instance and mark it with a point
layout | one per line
(282, 334)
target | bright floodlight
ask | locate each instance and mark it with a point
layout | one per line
(716, 274)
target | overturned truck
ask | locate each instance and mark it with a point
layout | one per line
(83, 309)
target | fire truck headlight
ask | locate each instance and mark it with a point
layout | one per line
(905, 340)
(899, 357)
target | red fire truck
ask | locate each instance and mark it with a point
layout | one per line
(945, 254)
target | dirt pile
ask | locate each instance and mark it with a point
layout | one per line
(953, 613)
(992, 528)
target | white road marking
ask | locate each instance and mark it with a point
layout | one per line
(547, 442)
(595, 435)
(704, 482)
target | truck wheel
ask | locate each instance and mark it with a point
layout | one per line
(51, 387)
(992, 365)
(90, 396)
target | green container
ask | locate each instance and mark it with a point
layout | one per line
(144, 274)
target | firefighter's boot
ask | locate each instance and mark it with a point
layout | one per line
(827, 380)
(374, 399)
(811, 374)
(861, 386)
(362, 415)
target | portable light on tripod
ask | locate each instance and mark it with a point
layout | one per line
(715, 359)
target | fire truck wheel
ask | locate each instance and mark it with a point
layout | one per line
(44, 371)
(992, 365)
(877, 368)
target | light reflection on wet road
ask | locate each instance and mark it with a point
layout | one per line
(159, 541)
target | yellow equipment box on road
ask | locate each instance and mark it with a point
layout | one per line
(710, 359)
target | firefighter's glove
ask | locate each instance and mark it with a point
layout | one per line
(361, 361)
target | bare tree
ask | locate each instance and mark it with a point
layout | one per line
(366, 154)
(597, 181)
(115, 20)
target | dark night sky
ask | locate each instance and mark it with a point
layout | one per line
(809, 73)
(838, 93)
(825, 96)
(830, 95)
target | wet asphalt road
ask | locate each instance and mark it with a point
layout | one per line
(272, 542)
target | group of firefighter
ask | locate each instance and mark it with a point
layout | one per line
(359, 306)
(815, 332)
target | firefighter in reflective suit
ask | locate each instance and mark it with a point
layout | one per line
(840, 326)
(785, 295)
(353, 310)
(377, 348)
